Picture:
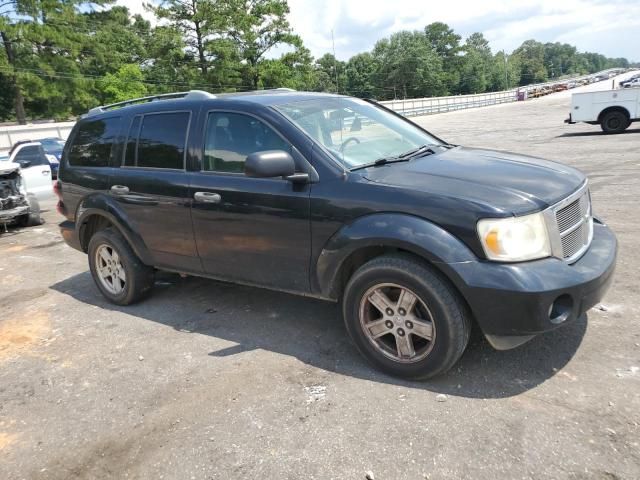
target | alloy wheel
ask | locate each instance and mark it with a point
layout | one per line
(110, 270)
(397, 322)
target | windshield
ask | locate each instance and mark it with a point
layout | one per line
(52, 145)
(355, 132)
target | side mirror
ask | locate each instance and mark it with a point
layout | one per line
(24, 163)
(269, 164)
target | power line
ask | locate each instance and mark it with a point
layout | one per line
(42, 73)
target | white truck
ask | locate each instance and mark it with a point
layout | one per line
(613, 110)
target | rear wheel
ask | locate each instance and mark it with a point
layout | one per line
(118, 273)
(404, 318)
(614, 122)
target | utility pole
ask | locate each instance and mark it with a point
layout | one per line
(335, 62)
(506, 72)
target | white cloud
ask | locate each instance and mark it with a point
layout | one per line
(611, 27)
(607, 26)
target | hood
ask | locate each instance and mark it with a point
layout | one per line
(507, 182)
(8, 167)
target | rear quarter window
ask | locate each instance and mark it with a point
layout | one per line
(93, 143)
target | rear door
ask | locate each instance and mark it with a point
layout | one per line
(35, 170)
(152, 187)
(253, 230)
(87, 160)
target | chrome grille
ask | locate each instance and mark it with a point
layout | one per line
(575, 225)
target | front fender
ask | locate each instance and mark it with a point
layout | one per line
(106, 206)
(406, 232)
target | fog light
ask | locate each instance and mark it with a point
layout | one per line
(560, 309)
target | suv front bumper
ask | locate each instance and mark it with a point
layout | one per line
(514, 302)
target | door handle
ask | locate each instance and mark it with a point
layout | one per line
(207, 197)
(119, 189)
(45, 172)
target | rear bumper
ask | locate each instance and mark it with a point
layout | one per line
(69, 234)
(514, 302)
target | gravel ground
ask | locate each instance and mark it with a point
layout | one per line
(207, 380)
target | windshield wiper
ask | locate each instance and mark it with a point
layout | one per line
(417, 151)
(421, 151)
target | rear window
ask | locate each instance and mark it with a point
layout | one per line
(157, 141)
(93, 143)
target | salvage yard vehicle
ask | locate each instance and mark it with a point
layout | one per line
(635, 83)
(613, 110)
(35, 168)
(14, 205)
(337, 198)
(49, 151)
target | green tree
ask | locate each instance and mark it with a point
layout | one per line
(407, 67)
(126, 83)
(255, 27)
(197, 20)
(505, 72)
(476, 65)
(292, 70)
(446, 43)
(360, 72)
(170, 65)
(41, 39)
(531, 58)
(331, 71)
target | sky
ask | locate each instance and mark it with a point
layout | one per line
(610, 27)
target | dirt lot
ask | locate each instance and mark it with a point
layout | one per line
(213, 381)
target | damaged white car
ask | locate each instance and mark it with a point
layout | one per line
(16, 207)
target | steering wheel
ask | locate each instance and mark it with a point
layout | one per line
(347, 141)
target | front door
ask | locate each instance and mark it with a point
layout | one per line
(253, 230)
(152, 188)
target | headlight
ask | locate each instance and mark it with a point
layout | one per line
(515, 239)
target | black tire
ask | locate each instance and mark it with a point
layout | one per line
(139, 277)
(31, 219)
(614, 122)
(449, 314)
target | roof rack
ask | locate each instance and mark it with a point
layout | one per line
(190, 95)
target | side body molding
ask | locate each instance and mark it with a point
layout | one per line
(406, 232)
(105, 206)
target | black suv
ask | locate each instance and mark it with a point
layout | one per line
(342, 199)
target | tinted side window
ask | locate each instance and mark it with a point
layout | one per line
(33, 154)
(93, 142)
(162, 140)
(231, 137)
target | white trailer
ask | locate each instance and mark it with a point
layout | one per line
(613, 110)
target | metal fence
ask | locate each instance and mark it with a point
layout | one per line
(428, 106)
(410, 107)
(15, 133)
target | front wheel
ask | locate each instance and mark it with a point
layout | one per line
(404, 318)
(118, 273)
